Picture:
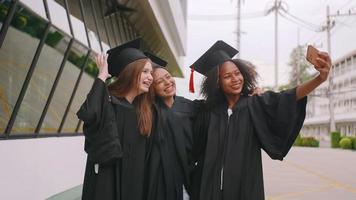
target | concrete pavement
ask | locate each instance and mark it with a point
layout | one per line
(311, 174)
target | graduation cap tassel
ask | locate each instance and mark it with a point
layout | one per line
(191, 80)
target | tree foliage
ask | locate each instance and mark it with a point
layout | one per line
(297, 61)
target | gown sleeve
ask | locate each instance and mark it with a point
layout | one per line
(277, 119)
(102, 143)
(200, 129)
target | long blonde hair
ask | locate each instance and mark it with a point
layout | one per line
(128, 80)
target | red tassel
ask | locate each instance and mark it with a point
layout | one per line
(191, 80)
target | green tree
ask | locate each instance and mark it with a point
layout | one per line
(297, 61)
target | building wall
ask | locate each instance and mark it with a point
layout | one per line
(36, 169)
(344, 93)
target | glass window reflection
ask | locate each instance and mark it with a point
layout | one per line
(41, 82)
(16, 54)
(64, 89)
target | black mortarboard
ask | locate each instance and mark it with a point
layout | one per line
(214, 56)
(120, 56)
(159, 62)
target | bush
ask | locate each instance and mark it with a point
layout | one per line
(354, 143)
(306, 142)
(53, 38)
(335, 139)
(73, 57)
(3, 14)
(91, 68)
(345, 143)
(298, 141)
(20, 22)
(310, 142)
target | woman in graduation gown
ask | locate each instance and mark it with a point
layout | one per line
(172, 142)
(182, 111)
(115, 132)
(177, 113)
(231, 130)
(124, 161)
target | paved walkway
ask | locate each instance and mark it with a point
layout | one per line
(311, 174)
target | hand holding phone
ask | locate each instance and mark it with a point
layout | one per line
(312, 55)
(321, 61)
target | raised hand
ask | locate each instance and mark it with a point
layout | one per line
(257, 91)
(324, 65)
(102, 64)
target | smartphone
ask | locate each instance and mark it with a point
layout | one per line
(312, 54)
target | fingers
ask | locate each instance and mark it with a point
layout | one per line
(322, 63)
(257, 91)
(105, 57)
(323, 68)
(101, 59)
(325, 56)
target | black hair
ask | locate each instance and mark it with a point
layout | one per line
(211, 90)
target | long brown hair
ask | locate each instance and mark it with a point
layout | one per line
(128, 80)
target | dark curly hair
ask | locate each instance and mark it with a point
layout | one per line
(211, 90)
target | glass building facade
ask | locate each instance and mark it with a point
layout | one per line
(47, 66)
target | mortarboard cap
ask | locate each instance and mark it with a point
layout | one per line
(214, 56)
(119, 57)
(159, 62)
(217, 54)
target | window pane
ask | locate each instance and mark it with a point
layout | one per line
(36, 6)
(84, 86)
(58, 15)
(64, 88)
(41, 82)
(16, 55)
(77, 21)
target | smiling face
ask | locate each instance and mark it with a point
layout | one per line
(231, 80)
(146, 78)
(164, 84)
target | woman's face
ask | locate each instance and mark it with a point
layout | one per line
(231, 80)
(163, 84)
(146, 78)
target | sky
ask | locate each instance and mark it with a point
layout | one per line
(212, 20)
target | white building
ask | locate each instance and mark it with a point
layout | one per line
(344, 93)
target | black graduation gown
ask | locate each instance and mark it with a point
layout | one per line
(102, 144)
(131, 166)
(186, 110)
(113, 141)
(173, 145)
(228, 149)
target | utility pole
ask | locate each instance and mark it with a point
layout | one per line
(331, 99)
(298, 58)
(238, 44)
(276, 7)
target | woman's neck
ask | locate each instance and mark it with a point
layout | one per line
(131, 96)
(232, 100)
(169, 101)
